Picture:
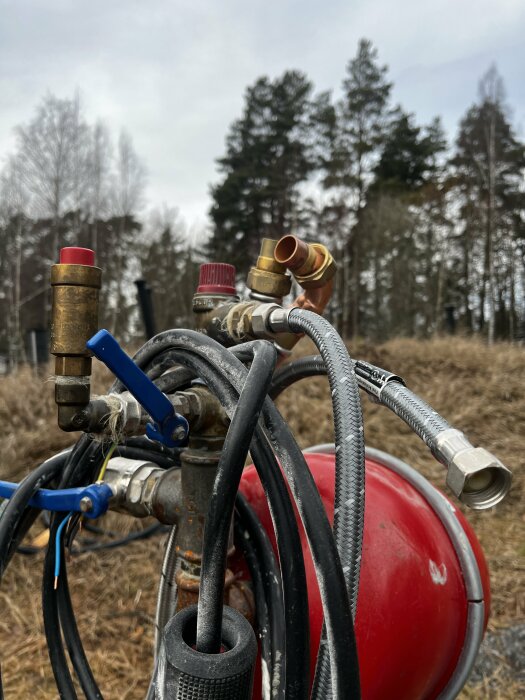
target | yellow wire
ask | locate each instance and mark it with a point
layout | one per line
(106, 461)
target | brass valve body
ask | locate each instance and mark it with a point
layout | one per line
(75, 310)
(268, 277)
(74, 320)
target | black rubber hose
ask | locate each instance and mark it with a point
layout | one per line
(259, 555)
(296, 617)
(288, 541)
(17, 506)
(55, 648)
(222, 501)
(341, 639)
(57, 606)
(17, 510)
(76, 470)
(349, 503)
(339, 624)
(144, 443)
(73, 641)
(154, 529)
(177, 376)
(139, 453)
(294, 371)
(262, 611)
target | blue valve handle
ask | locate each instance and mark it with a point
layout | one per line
(66, 500)
(167, 423)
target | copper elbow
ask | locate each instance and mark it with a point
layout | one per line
(312, 264)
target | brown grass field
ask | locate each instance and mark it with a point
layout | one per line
(479, 390)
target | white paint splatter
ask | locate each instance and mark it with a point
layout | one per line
(438, 574)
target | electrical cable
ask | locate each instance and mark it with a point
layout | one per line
(58, 546)
(17, 511)
(146, 533)
(54, 611)
(105, 463)
(60, 609)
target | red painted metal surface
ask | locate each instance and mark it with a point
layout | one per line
(412, 603)
(77, 256)
(216, 278)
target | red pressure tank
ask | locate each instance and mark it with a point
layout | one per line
(424, 590)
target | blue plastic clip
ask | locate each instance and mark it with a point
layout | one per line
(92, 500)
(169, 427)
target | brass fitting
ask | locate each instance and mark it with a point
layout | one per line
(311, 264)
(74, 319)
(268, 277)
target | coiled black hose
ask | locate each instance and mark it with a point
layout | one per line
(340, 632)
(295, 593)
(222, 501)
(289, 450)
(294, 371)
(349, 503)
(291, 555)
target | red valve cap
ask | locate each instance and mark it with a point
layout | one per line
(216, 278)
(77, 256)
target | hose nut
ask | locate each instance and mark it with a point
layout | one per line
(475, 476)
(278, 320)
(261, 320)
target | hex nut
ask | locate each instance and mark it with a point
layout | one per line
(260, 320)
(272, 284)
(478, 478)
(323, 274)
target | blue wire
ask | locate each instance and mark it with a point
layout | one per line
(58, 548)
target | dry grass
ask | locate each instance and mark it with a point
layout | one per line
(479, 390)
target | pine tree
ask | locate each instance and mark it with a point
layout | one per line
(405, 222)
(269, 153)
(362, 115)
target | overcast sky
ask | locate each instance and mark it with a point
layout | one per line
(173, 72)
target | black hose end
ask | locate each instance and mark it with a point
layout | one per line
(187, 674)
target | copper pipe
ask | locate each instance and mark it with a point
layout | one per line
(315, 299)
(297, 255)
